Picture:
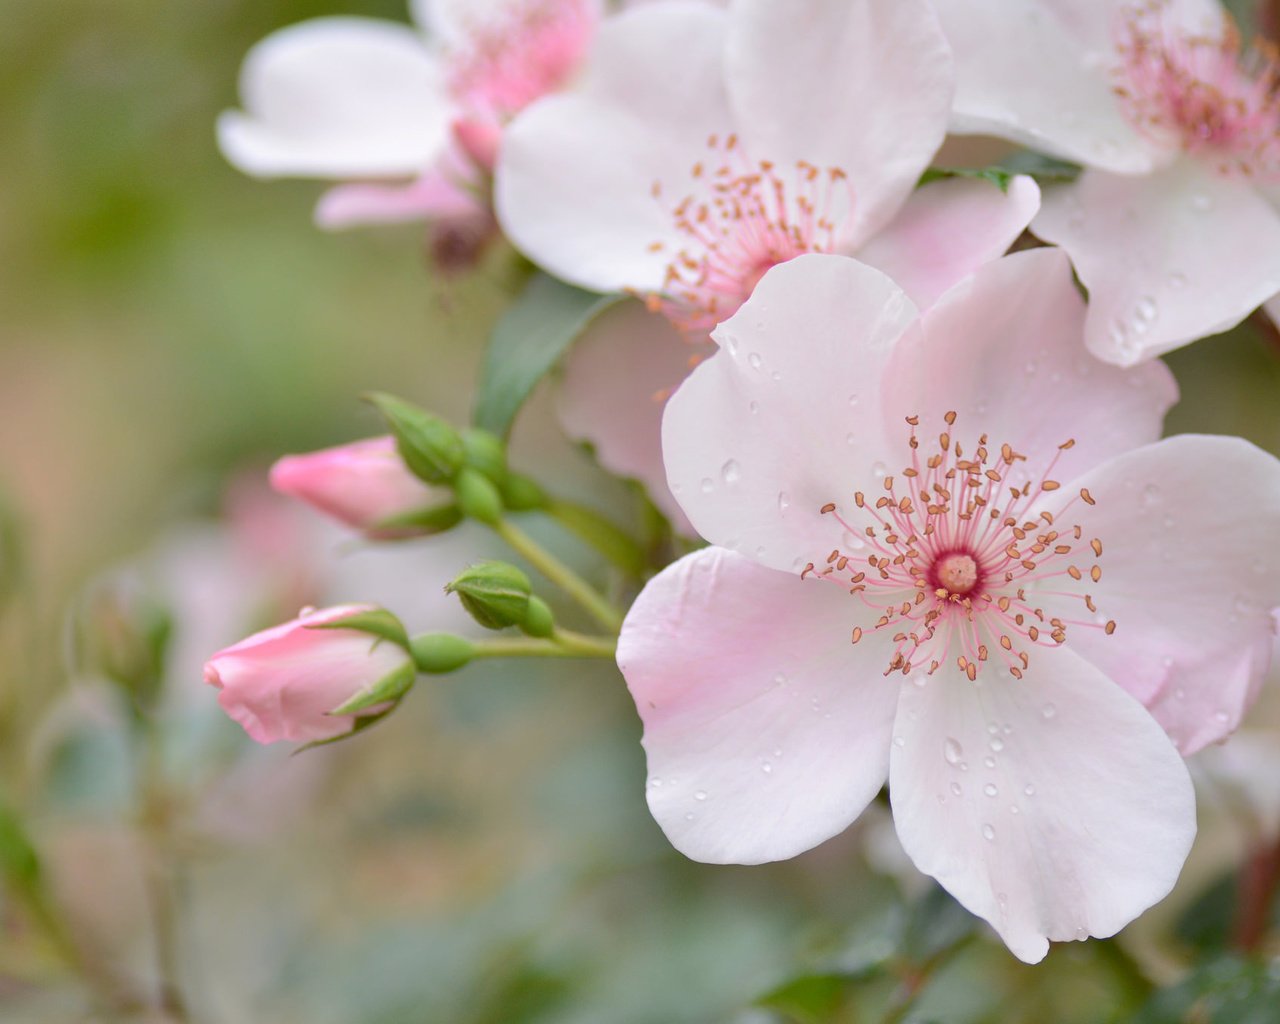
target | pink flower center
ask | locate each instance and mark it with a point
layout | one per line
(531, 50)
(741, 218)
(955, 558)
(1201, 92)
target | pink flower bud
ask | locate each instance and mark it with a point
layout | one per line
(361, 484)
(282, 683)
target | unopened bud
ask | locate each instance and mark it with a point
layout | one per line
(538, 620)
(438, 653)
(478, 498)
(495, 594)
(485, 452)
(521, 494)
(429, 446)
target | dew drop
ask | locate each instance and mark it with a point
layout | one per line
(1049, 710)
(989, 761)
(997, 744)
(689, 816)
(852, 541)
(1201, 203)
(731, 472)
(1014, 809)
(779, 679)
(700, 794)
(1222, 716)
(784, 501)
(1179, 693)
(766, 767)
(955, 788)
(706, 485)
(853, 399)
(850, 438)
(1176, 280)
(880, 470)
(1145, 312)
(993, 728)
(655, 783)
(755, 360)
(753, 408)
(990, 790)
(952, 752)
(899, 742)
(988, 833)
(1150, 495)
(1029, 789)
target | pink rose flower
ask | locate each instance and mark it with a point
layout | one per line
(282, 683)
(952, 553)
(362, 484)
(706, 145)
(410, 116)
(1174, 226)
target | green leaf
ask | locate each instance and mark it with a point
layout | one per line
(1024, 161)
(527, 342)
(1229, 990)
(601, 534)
(376, 622)
(19, 862)
(809, 999)
(935, 923)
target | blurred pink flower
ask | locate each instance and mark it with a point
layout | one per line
(705, 146)
(1174, 226)
(929, 527)
(282, 683)
(362, 484)
(411, 114)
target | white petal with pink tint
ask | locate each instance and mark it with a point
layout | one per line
(1002, 349)
(949, 228)
(575, 178)
(617, 379)
(1167, 258)
(434, 195)
(765, 731)
(1037, 72)
(806, 352)
(1190, 573)
(1053, 807)
(805, 80)
(338, 98)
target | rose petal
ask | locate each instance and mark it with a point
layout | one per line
(948, 229)
(1053, 807)
(862, 86)
(1002, 349)
(616, 382)
(574, 187)
(785, 417)
(1190, 573)
(766, 731)
(1167, 258)
(337, 98)
(1036, 72)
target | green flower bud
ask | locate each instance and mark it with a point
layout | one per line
(521, 494)
(431, 448)
(486, 452)
(438, 653)
(495, 594)
(538, 620)
(477, 497)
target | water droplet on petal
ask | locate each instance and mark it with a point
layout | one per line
(955, 788)
(990, 790)
(707, 485)
(853, 399)
(951, 751)
(1176, 280)
(766, 767)
(879, 470)
(1150, 496)
(700, 794)
(1222, 716)
(899, 741)
(784, 501)
(997, 744)
(753, 408)
(731, 472)
(755, 360)
(988, 833)
(1048, 711)
(989, 761)
(1029, 789)
(1201, 203)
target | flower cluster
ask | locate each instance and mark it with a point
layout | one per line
(947, 548)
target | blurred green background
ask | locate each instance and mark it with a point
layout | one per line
(165, 323)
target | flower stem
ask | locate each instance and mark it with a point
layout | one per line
(561, 575)
(561, 644)
(594, 529)
(915, 979)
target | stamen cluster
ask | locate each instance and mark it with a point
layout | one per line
(529, 52)
(745, 217)
(1204, 93)
(957, 556)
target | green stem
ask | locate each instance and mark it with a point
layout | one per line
(562, 644)
(594, 529)
(561, 575)
(916, 980)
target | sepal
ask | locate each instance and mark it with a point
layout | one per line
(429, 446)
(495, 594)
